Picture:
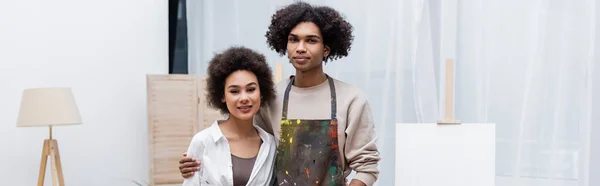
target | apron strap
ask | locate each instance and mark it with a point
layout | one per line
(286, 97)
(333, 98)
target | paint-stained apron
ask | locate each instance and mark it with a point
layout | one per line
(308, 153)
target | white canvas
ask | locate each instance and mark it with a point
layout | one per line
(428, 154)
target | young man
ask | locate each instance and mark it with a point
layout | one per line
(324, 126)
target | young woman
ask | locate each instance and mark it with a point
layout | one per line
(235, 152)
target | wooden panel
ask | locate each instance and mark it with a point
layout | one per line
(278, 73)
(172, 122)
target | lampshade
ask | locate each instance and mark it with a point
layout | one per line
(48, 107)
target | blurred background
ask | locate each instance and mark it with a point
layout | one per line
(530, 67)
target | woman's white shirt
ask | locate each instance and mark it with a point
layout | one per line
(212, 149)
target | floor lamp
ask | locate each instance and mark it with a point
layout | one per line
(49, 107)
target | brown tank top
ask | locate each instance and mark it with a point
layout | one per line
(242, 169)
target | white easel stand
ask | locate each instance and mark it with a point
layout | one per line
(446, 153)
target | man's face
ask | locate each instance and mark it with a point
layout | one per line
(305, 47)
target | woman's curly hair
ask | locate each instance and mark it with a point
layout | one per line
(233, 59)
(336, 31)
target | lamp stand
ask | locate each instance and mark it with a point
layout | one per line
(51, 149)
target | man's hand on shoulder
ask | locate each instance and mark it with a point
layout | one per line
(187, 166)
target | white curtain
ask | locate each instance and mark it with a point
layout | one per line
(524, 65)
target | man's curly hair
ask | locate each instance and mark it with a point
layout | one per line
(336, 31)
(233, 59)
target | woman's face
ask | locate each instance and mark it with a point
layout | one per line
(242, 94)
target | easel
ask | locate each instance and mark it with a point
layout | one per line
(50, 150)
(449, 105)
(448, 152)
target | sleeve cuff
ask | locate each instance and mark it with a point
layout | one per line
(367, 178)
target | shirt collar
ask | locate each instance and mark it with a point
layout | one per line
(215, 131)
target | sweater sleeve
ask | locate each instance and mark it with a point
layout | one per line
(361, 151)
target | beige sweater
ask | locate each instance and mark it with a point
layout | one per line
(354, 116)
